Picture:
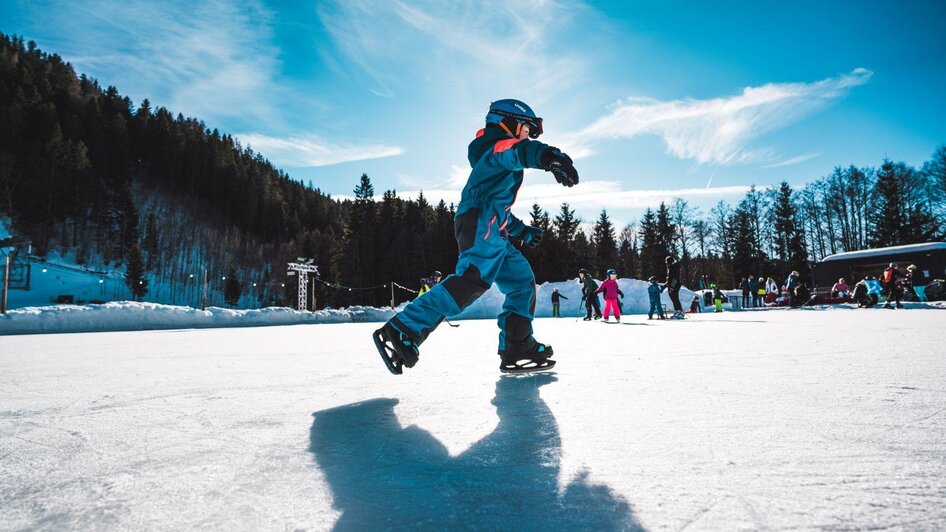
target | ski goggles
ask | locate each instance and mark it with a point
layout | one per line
(535, 124)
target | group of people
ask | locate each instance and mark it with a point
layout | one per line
(756, 290)
(612, 294)
(892, 285)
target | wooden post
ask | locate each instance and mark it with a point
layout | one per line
(6, 281)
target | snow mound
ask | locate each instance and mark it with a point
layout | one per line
(132, 316)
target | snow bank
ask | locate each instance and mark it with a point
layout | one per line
(131, 316)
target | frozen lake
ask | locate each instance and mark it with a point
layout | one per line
(744, 420)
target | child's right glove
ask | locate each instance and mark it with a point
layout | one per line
(553, 160)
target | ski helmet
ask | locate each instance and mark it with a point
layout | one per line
(652, 279)
(713, 286)
(612, 271)
(436, 274)
(510, 114)
(583, 270)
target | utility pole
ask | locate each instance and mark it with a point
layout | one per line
(303, 267)
(392, 294)
(203, 299)
(6, 282)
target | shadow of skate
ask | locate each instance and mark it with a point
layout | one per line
(384, 476)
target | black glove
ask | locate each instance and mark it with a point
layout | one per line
(553, 160)
(530, 236)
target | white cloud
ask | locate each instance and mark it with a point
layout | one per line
(310, 150)
(794, 160)
(214, 60)
(720, 130)
(474, 46)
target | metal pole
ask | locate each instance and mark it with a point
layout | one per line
(392, 294)
(6, 281)
(313, 294)
(203, 298)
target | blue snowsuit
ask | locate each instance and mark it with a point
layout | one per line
(656, 307)
(483, 225)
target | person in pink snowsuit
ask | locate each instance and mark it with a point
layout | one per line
(611, 293)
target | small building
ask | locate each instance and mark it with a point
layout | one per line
(930, 259)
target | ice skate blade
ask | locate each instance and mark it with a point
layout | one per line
(545, 365)
(388, 355)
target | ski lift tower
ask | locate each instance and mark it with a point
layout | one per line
(303, 267)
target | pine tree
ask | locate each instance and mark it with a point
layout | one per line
(789, 235)
(605, 246)
(652, 251)
(232, 290)
(135, 274)
(627, 253)
(888, 215)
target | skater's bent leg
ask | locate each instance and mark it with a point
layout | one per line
(481, 256)
(517, 282)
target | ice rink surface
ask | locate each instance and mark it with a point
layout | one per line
(787, 419)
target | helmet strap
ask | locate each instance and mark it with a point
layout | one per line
(511, 126)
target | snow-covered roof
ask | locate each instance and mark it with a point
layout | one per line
(879, 252)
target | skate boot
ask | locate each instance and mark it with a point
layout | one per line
(587, 318)
(526, 357)
(396, 348)
(606, 319)
(597, 316)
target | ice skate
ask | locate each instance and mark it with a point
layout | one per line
(396, 348)
(526, 357)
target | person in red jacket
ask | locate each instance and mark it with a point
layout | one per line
(611, 293)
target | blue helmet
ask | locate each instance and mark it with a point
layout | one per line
(510, 114)
(612, 271)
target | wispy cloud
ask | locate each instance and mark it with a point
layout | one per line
(312, 150)
(794, 160)
(720, 130)
(473, 45)
(212, 59)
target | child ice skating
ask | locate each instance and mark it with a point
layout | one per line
(485, 229)
(653, 291)
(589, 293)
(611, 293)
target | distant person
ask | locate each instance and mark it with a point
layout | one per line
(802, 294)
(866, 292)
(910, 281)
(744, 286)
(840, 289)
(588, 293)
(611, 294)
(695, 307)
(891, 283)
(771, 290)
(427, 283)
(718, 297)
(753, 289)
(790, 285)
(673, 286)
(759, 293)
(556, 304)
(653, 292)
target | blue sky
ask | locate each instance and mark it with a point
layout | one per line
(653, 99)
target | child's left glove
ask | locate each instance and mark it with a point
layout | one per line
(530, 236)
(560, 164)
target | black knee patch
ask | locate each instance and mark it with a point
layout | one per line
(467, 287)
(464, 228)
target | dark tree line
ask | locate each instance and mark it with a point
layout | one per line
(84, 171)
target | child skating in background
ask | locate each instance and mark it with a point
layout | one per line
(611, 293)
(695, 307)
(653, 291)
(717, 297)
(485, 229)
(556, 304)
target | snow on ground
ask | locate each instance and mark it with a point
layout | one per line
(130, 316)
(742, 420)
